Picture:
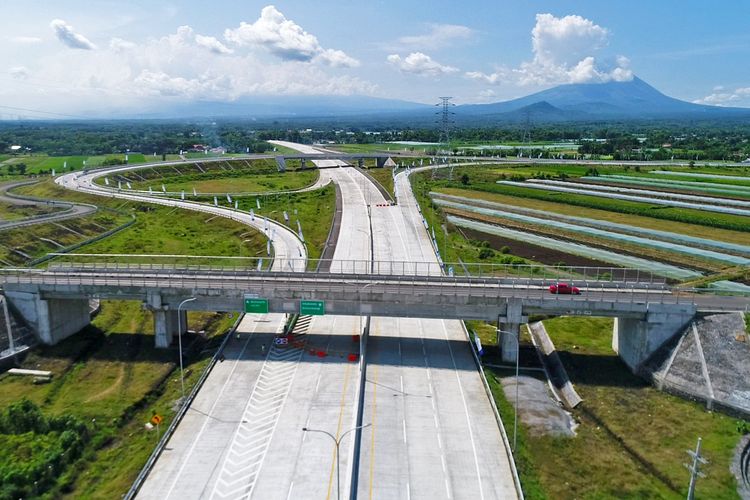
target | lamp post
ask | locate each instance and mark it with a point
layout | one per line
(338, 443)
(179, 341)
(515, 407)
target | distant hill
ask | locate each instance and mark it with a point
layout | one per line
(633, 99)
(565, 103)
(285, 107)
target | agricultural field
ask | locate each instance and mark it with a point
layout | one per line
(565, 215)
(42, 164)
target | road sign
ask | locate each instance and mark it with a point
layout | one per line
(312, 307)
(256, 305)
(156, 419)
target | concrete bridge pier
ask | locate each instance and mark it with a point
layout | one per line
(53, 320)
(635, 340)
(165, 321)
(509, 328)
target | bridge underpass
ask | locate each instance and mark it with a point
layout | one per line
(648, 313)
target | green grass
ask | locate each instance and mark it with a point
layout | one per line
(234, 182)
(163, 230)
(37, 240)
(631, 440)
(113, 377)
(42, 163)
(482, 179)
(314, 211)
(384, 176)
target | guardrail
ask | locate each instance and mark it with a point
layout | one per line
(391, 267)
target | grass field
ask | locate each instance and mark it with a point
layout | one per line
(111, 374)
(314, 211)
(245, 183)
(113, 377)
(41, 163)
(384, 176)
(637, 434)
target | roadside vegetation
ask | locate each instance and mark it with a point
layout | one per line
(227, 176)
(631, 438)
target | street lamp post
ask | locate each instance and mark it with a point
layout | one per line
(515, 407)
(338, 443)
(179, 342)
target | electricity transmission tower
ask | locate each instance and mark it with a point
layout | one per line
(445, 121)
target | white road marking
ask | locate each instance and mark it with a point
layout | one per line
(291, 485)
(207, 418)
(404, 426)
(244, 459)
(466, 411)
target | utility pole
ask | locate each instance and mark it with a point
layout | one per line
(694, 468)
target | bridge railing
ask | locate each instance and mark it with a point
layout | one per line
(540, 273)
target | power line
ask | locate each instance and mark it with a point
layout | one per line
(52, 113)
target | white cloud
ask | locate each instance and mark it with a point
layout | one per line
(440, 35)
(336, 59)
(65, 33)
(421, 64)
(285, 39)
(26, 40)
(19, 72)
(212, 44)
(720, 98)
(120, 45)
(563, 52)
(180, 66)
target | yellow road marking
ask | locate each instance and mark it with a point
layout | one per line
(338, 429)
(372, 438)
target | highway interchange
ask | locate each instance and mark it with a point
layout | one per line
(431, 431)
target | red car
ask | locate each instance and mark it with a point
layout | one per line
(564, 289)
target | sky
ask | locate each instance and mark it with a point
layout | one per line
(93, 57)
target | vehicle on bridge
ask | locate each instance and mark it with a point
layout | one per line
(564, 289)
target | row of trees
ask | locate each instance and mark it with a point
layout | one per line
(706, 141)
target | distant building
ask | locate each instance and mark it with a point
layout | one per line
(219, 151)
(197, 148)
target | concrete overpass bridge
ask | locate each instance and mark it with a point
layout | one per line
(54, 301)
(327, 159)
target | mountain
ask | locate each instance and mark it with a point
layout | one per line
(586, 101)
(318, 106)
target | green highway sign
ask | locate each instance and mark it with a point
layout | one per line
(312, 307)
(256, 306)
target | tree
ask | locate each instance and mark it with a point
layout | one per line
(465, 179)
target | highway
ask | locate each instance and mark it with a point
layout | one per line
(194, 459)
(432, 432)
(68, 210)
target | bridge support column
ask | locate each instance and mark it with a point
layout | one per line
(303, 163)
(53, 320)
(165, 326)
(165, 321)
(635, 340)
(509, 328)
